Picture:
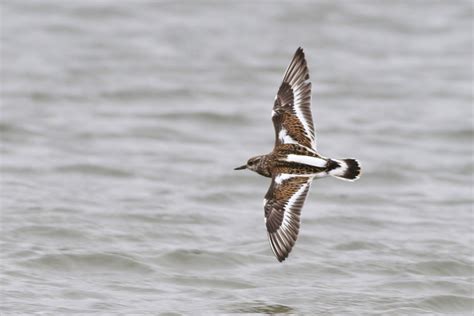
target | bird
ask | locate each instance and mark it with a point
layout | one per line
(294, 162)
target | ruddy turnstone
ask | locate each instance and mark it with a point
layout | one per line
(294, 162)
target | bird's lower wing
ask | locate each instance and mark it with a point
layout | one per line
(282, 205)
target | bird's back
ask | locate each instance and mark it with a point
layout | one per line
(296, 159)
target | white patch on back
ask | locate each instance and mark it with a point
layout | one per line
(285, 138)
(282, 177)
(320, 174)
(307, 160)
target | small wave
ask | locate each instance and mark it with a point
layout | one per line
(442, 268)
(349, 220)
(199, 259)
(211, 282)
(46, 231)
(94, 170)
(259, 308)
(210, 117)
(447, 304)
(96, 262)
(358, 245)
(10, 128)
(76, 294)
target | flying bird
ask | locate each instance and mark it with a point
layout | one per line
(294, 162)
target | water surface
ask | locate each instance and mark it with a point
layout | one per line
(121, 123)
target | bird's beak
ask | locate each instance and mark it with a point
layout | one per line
(241, 167)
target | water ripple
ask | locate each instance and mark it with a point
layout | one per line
(80, 263)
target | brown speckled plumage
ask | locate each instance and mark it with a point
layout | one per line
(294, 161)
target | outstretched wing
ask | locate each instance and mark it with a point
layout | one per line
(291, 113)
(282, 204)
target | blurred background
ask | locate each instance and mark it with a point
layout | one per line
(121, 122)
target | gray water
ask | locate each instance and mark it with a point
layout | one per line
(121, 122)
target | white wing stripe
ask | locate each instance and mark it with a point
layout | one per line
(289, 205)
(307, 160)
(298, 96)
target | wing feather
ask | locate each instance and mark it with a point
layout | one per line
(292, 116)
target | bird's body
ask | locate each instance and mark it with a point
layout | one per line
(294, 161)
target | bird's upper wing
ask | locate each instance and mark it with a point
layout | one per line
(291, 113)
(282, 204)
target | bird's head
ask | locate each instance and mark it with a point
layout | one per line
(252, 164)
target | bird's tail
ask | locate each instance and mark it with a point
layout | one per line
(346, 169)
